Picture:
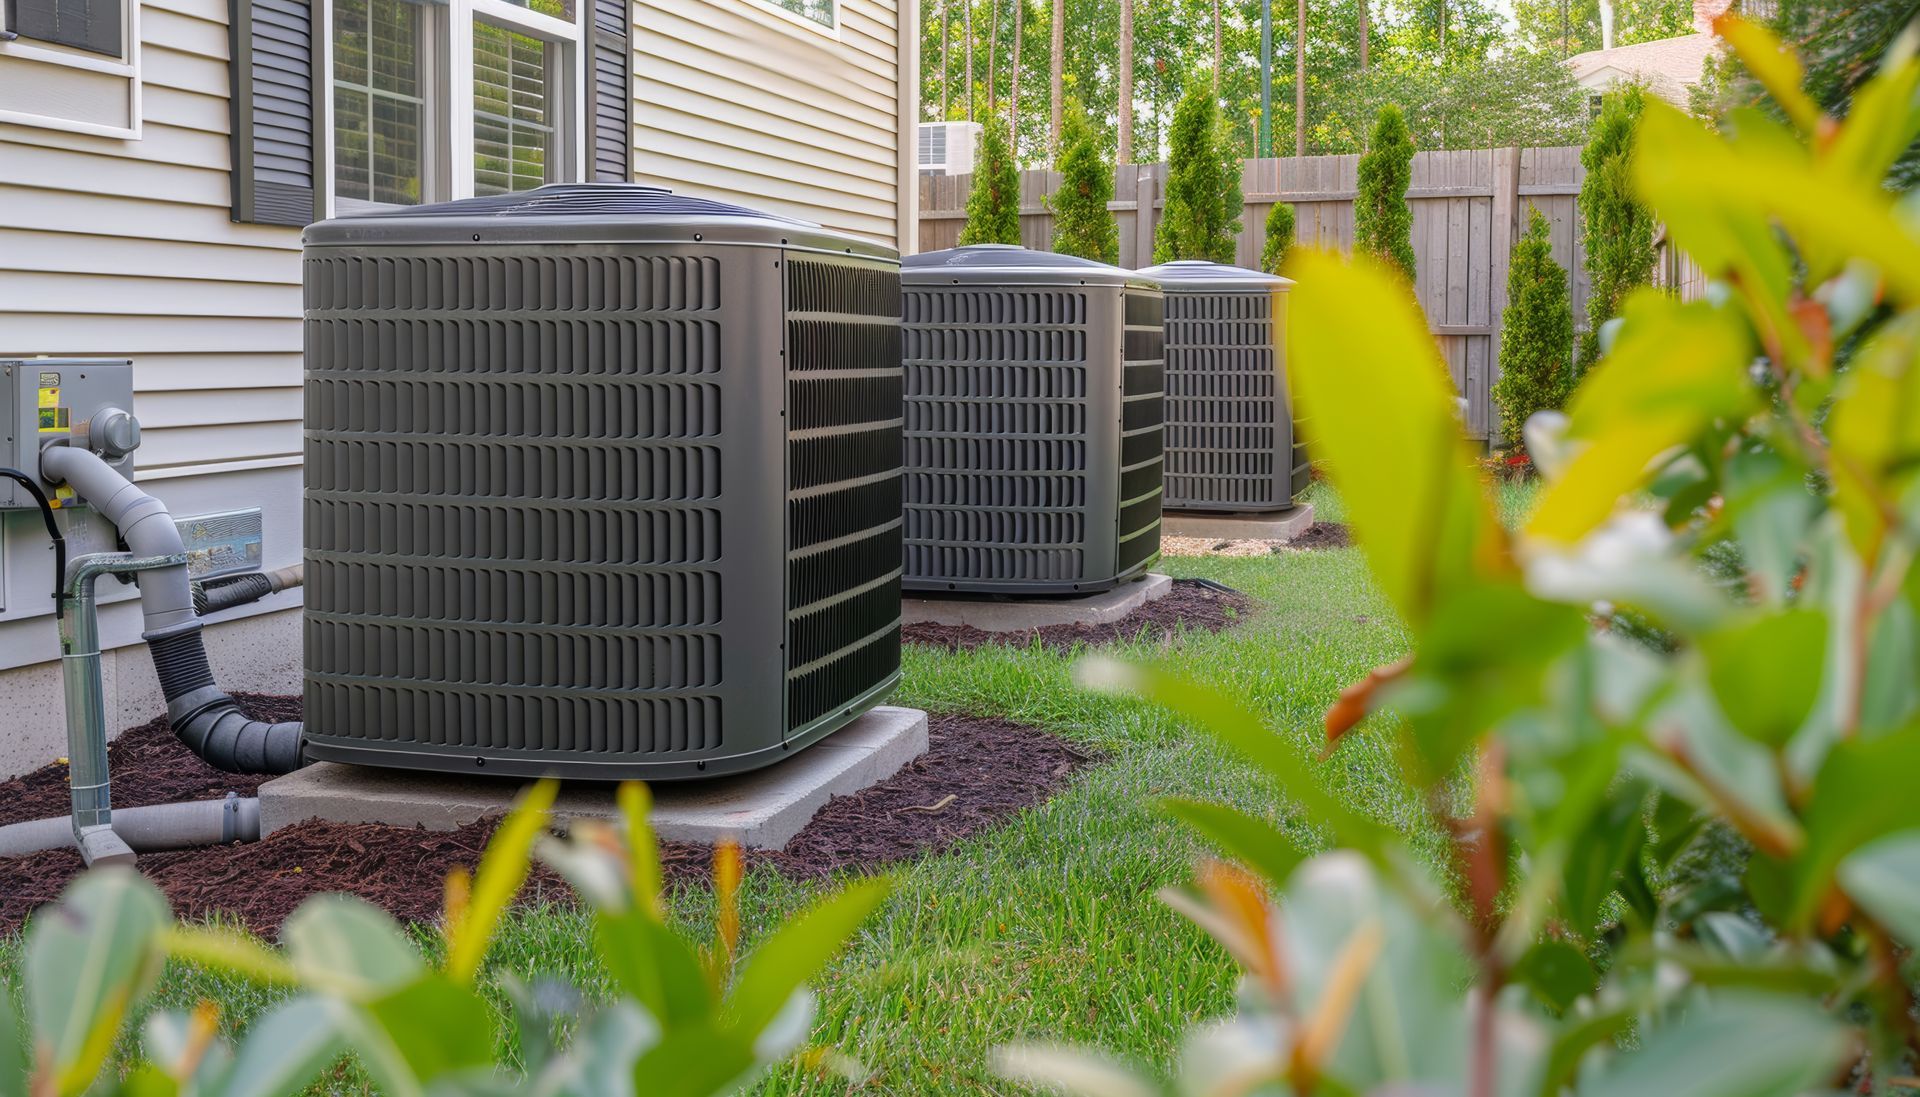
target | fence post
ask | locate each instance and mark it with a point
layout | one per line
(1506, 226)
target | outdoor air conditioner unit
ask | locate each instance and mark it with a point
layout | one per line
(601, 482)
(947, 148)
(1033, 421)
(1233, 442)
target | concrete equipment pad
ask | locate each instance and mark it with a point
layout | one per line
(763, 809)
(1007, 613)
(1279, 525)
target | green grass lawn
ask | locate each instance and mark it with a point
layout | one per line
(1047, 927)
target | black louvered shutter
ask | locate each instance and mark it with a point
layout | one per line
(275, 151)
(91, 25)
(609, 135)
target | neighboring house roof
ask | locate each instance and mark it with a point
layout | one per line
(1668, 66)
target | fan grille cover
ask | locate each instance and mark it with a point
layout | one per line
(600, 500)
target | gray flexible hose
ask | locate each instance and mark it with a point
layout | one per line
(208, 721)
(216, 595)
(150, 829)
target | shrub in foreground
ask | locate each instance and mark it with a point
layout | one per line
(1577, 936)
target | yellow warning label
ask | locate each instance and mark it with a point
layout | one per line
(50, 398)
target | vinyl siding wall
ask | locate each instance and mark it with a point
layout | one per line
(734, 100)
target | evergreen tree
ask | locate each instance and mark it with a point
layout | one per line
(993, 205)
(1382, 220)
(1536, 333)
(1202, 217)
(1082, 224)
(1279, 237)
(1616, 229)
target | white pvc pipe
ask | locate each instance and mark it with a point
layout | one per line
(186, 825)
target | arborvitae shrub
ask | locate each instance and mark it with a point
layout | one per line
(1202, 218)
(1082, 223)
(1617, 230)
(1536, 333)
(993, 206)
(1279, 237)
(1382, 220)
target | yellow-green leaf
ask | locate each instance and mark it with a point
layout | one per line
(503, 868)
(1385, 424)
(1775, 66)
(1874, 433)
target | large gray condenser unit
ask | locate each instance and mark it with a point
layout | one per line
(1233, 443)
(1033, 421)
(601, 481)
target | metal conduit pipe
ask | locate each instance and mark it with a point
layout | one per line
(208, 721)
(148, 829)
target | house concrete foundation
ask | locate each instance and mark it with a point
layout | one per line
(1279, 525)
(763, 809)
(1004, 613)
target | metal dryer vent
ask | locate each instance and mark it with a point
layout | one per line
(600, 481)
(1033, 421)
(1233, 443)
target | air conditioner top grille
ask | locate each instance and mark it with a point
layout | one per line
(1200, 276)
(1007, 264)
(573, 213)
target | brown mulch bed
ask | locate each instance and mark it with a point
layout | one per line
(1322, 535)
(1191, 605)
(976, 773)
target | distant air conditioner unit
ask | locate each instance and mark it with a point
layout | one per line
(947, 148)
(1033, 421)
(601, 482)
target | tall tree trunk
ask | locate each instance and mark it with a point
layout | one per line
(1366, 33)
(946, 41)
(993, 61)
(1124, 154)
(1059, 71)
(969, 29)
(1216, 48)
(1019, 18)
(1300, 80)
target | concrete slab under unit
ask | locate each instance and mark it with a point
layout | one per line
(997, 613)
(1278, 525)
(763, 809)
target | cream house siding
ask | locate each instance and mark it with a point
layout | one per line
(734, 100)
(125, 248)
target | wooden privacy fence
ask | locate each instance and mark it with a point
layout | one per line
(1468, 207)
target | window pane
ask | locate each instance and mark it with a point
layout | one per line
(559, 9)
(512, 110)
(820, 11)
(379, 117)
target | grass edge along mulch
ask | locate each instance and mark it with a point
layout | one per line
(977, 772)
(1192, 605)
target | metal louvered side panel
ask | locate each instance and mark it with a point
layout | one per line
(1001, 441)
(1230, 445)
(513, 505)
(844, 382)
(1142, 430)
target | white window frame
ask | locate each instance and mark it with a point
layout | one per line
(448, 76)
(790, 19)
(52, 53)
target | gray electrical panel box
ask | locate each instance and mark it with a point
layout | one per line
(46, 400)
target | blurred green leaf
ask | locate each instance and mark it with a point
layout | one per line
(1883, 877)
(350, 946)
(1557, 973)
(796, 952)
(1882, 121)
(1772, 512)
(1730, 1046)
(1765, 670)
(1612, 838)
(1864, 792)
(503, 868)
(1369, 376)
(16, 1055)
(287, 1048)
(1874, 433)
(695, 1061)
(1774, 66)
(1070, 1071)
(439, 1027)
(1255, 843)
(89, 959)
(654, 966)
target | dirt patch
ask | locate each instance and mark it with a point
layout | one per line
(1191, 606)
(976, 773)
(1320, 535)
(149, 765)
